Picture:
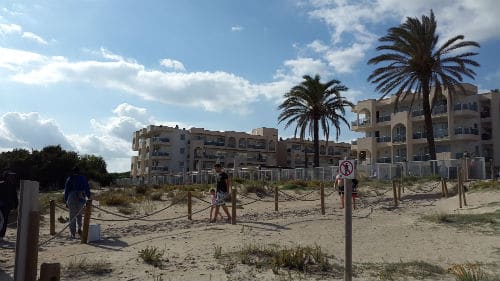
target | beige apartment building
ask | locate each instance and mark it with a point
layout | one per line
(164, 150)
(469, 124)
(293, 152)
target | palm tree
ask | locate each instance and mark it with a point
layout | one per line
(312, 104)
(414, 64)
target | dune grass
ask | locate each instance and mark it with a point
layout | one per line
(402, 270)
(81, 266)
(488, 222)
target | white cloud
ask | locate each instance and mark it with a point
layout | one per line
(236, 28)
(299, 67)
(110, 138)
(34, 37)
(30, 130)
(7, 29)
(358, 22)
(173, 64)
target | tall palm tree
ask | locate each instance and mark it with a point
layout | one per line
(312, 104)
(414, 64)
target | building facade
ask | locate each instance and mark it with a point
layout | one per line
(166, 150)
(466, 124)
(293, 153)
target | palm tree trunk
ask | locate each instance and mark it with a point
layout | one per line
(428, 121)
(316, 142)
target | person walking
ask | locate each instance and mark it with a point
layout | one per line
(8, 199)
(222, 192)
(76, 191)
(213, 203)
(339, 186)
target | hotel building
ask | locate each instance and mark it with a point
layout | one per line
(166, 150)
(470, 124)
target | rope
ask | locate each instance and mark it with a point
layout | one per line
(127, 218)
(423, 190)
(155, 220)
(62, 230)
(297, 198)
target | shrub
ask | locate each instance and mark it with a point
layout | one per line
(467, 272)
(152, 255)
(156, 196)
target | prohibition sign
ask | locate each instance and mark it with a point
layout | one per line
(346, 169)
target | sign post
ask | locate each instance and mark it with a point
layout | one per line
(347, 171)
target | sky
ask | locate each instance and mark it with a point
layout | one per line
(86, 74)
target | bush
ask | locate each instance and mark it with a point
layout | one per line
(467, 272)
(152, 255)
(156, 196)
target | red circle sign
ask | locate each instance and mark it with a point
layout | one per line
(346, 168)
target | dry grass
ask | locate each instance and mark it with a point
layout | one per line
(152, 255)
(401, 270)
(81, 266)
(487, 222)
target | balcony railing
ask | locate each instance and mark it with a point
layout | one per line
(425, 157)
(361, 122)
(440, 109)
(159, 153)
(216, 143)
(159, 168)
(417, 113)
(419, 135)
(466, 131)
(399, 138)
(384, 160)
(398, 158)
(256, 146)
(485, 114)
(158, 139)
(486, 136)
(466, 106)
(354, 142)
(384, 139)
(384, 119)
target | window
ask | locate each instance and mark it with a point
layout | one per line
(182, 150)
(181, 164)
(183, 136)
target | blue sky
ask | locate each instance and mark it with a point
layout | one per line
(86, 74)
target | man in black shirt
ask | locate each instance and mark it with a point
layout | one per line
(222, 191)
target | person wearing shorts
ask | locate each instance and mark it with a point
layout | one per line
(222, 192)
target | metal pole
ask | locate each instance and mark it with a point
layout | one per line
(348, 232)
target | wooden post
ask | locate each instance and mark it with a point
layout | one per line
(445, 188)
(463, 194)
(399, 191)
(442, 187)
(233, 203)
(276, 198)
(348, 232)
(460, 188)
(189, 206)
(50, 272)
(28, 222)
(322, 198)
(86, 221)
(52, 217)
(394, 193)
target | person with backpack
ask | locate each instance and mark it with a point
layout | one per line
(76, 193)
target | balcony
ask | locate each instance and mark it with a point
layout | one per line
(384, 119)
(160, 154)
(466, 131)
(486, 136)
(466, 109)
(419, 135)
(399, 138)
(417, 113)
(354, 142)
(485, 114)
(425, 157)
(159, 168)
(162, 140)
(384, 160)
(399, 158)
(256, 146)
(383, 139)
(356, 124)
(216, 143)
(440, 109)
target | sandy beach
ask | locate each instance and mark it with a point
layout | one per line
(199, 250)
